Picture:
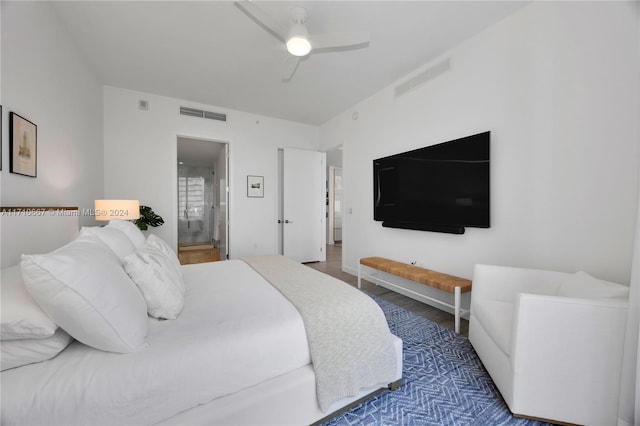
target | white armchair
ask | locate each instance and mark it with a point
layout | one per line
(551, 341)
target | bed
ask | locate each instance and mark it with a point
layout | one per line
(251, 344)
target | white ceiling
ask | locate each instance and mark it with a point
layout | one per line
(210, 52)
(198, 152)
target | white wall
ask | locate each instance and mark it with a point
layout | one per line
(556, 84)
(3, 127)
(46, 81)
(140, 161)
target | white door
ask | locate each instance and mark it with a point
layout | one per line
(304, 205)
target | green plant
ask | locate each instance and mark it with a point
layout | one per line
(148, 218)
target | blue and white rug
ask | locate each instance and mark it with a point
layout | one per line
(443, 383)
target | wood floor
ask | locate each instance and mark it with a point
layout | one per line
(333, 267)
(197, 253)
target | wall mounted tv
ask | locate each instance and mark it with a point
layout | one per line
(441, 188)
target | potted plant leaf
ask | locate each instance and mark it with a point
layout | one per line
(148, 218)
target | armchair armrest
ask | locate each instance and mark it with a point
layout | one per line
(574, 343)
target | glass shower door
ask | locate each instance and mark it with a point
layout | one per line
(195, 197)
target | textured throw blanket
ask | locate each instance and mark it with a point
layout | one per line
(349, 340)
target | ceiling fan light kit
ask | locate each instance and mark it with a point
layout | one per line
(298, 46)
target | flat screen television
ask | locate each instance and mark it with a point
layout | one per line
(441, 188)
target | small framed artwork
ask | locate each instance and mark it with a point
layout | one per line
(255, 186)
(23, 142)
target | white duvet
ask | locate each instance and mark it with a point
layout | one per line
(236, 330)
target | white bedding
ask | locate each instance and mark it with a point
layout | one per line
(235, 331)
(345, 359)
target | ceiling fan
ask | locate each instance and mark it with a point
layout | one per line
(296, 38)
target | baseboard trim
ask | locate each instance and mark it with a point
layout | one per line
(350, 270)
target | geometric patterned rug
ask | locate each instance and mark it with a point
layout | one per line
(443, 381)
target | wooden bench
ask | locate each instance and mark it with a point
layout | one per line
(444, 282)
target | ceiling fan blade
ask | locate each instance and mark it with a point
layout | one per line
(339, 41)
(292, 64)
(265, 21)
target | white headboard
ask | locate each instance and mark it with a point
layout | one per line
(35, 230)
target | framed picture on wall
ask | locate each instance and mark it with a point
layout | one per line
(23, 142)
(255, 186)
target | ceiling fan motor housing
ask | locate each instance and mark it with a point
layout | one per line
(298, 42)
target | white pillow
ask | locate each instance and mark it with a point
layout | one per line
(583, 285)
(16, 353)
(116, 240)
(84, 289)
(160, 284)
(21, 317)
(160, 244)
(130, 230)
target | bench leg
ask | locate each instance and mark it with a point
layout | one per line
(359, 273)
(457, 298)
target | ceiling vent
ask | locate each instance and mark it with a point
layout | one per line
(193, 112)
(423, 77)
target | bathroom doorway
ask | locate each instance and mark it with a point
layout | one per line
(203, 234)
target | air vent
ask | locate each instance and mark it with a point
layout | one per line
(193, 112)
(423, 77)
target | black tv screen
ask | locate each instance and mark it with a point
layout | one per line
(442, 188)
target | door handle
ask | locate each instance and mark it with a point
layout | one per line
(288, 221)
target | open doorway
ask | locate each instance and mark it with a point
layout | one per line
(335, 205)
(334, 196)
(203, 234)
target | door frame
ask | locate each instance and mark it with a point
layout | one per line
(227, 154)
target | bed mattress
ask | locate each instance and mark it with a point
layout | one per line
(235, 331)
